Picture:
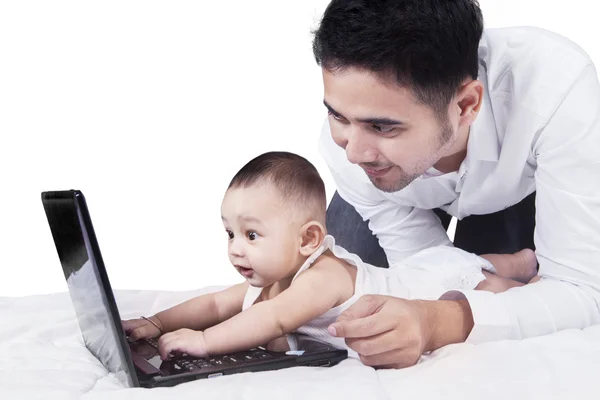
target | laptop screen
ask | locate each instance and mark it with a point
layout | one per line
(86, 288)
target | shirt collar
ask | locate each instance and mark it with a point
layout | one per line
(483, 142)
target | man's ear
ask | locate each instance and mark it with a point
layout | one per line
(311, 235)
(470, 100)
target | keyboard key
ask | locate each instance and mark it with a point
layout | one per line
(261, 354)
(182, 364)
(201, 363)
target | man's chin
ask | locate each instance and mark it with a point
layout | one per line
(390, 185)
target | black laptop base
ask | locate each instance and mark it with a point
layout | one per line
(278, 354)
(100, 322)
(235, 363)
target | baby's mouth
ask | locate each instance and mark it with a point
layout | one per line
(245, 271)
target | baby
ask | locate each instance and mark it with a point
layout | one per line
(296, 278)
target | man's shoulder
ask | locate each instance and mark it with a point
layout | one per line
(529, 65)
(528, 43)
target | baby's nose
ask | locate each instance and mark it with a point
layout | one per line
(236, 249)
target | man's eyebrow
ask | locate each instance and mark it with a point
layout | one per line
(380, 121)
(331, 110)
(372, 120)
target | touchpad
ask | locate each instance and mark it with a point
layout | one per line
(156, 361)
(146, 366)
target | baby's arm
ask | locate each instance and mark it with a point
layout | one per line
(313, 293)
(204, 311)
(198, 313)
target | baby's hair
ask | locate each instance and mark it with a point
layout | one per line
(293, 176)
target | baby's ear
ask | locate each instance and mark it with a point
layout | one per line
(312, 235)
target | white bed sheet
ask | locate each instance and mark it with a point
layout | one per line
(42, 356)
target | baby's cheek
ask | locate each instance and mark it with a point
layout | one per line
(277, 267)
(263, 263)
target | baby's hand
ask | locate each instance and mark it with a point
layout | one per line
(183, 341)
(141, 329)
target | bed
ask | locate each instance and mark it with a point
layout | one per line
(42, 356)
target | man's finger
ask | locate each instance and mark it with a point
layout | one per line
(364, 307)
(400, 358)
(376, 344)
(369, 326)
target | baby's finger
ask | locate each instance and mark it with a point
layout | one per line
(131, 324)
(142, 332)
(165, 344)
(128, 325)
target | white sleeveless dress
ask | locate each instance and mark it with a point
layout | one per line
(426, 276)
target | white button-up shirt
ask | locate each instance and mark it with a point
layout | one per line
(538, 130)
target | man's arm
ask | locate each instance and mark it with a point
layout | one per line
(567, 241)
(567, 235)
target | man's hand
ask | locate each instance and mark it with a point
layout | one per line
(183, 341)
(389, 332)
(385, 331)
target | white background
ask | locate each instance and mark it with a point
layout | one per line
(151, 107)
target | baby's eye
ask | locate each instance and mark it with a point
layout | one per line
(252, 235)
(229, 234)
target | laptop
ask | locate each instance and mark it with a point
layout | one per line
(138, 364)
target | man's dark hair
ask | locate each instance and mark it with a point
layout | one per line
(428, 46)
(293, 176)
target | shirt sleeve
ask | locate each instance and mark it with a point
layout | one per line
(567, 234)
(400, 229)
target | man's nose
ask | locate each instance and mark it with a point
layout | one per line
(358, 146)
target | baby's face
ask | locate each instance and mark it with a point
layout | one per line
(264, 244)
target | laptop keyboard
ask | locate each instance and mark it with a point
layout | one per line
(237, 358)
(223, 360)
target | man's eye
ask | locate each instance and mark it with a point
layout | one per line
(230, 234)
(383, 129)
(252, 235)
(335, 116)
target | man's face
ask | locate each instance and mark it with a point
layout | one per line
(383, 128)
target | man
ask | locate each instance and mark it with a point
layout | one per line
(430, 117)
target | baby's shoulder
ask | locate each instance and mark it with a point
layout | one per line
(330, 261)
(339, 270)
